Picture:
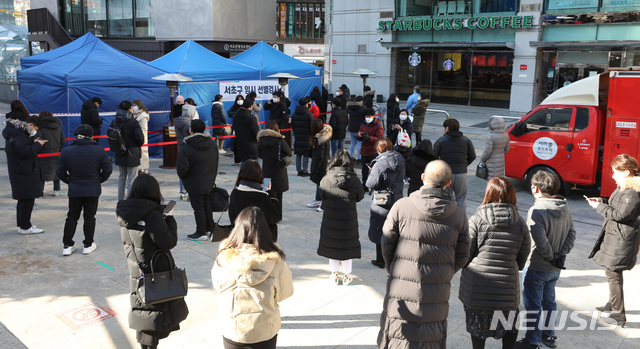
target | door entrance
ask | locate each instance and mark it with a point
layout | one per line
(569, 73)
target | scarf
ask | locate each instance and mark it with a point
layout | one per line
(251, 184)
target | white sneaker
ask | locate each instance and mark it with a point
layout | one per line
(32, 230)
(184, 196)
(54, 193)
(89, 249)
(333, 278)
(314, 204)
(319, 209)
(67, 250)
(346, 279)
(222, 151)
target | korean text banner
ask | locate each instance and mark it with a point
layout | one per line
(263, 88)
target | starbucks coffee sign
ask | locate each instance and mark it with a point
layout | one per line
(456, 23)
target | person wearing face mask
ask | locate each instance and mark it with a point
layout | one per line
(370, 131)
(356, 111)
(617, 247)
(218, 118)
(237, 105)
(393, 112)
(343, 99)
(128, 161)
(246, 128)
(338, 122)
(418, 113)
(141, 113)
(413, 99)
(24, 172)
(403, 123)
(279, 111)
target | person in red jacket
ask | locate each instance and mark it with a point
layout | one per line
(370, 130)
(314, 109)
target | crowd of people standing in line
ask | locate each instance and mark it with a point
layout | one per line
(422, 239)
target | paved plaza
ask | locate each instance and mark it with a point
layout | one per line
(51, 301)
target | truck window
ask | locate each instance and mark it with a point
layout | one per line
(550, 119)
(582, 119)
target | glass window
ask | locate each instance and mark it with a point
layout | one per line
(144, 19)
(582, 119)
(491, 79)
(121, 18)
(450, 83)
(96, 14)
(550, 119)
(420, 7)
(498, 5)
(72, 17)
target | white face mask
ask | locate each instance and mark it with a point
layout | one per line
(32, 131)
(275, 100)
(135, 109)
(368, 120)
(397, 99)
(403, 116)
(337, 93)
(240, 102)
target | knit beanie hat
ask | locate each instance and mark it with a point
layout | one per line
(83, 131)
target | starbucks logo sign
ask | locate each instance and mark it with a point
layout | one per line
(414, 59)
(448, 64)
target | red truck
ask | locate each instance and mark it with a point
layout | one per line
(577, 130)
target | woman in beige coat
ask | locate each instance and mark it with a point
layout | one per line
(497, 145)
(141, 114)
(251, 278)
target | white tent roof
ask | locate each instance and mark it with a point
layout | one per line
(581, 92)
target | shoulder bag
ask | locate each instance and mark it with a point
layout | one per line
(482, 171)
(219, 198)
(159, 287)
(220, 232)
(283, 161)
(383, 197)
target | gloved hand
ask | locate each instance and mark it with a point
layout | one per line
(365, 137)
(558, 261)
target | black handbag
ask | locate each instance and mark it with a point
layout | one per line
(482, 171)
(283, 161)
(160, 287)
(219, 198)
(220, 232)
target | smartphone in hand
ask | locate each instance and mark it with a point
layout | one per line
(266, 184)
(169, 207)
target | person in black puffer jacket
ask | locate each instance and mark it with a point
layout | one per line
(278, 109)
(403, 124)
(249, 192)
(369, 95)
(320, 154)
(316, 96)
(197, 166)
(499, 247)
(84, 166)
(340, 189)
(145, 229)
(24, 172)
(393, 112)
(218, 118)
(51, 130)
(338, 123)
(420, 156)
(246, 128)
(89, 114)
(129, 161)
(356, 111)
(270, 141)
(301, 124)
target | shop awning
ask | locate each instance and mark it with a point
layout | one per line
(585, 44)
(451, 44)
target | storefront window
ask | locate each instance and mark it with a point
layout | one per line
(452, 76)
(72, 17)
(144, 19)
(121, 18)
(419, 7)
(491, 78)
(96, 12)
(413, 68)
(498, 6)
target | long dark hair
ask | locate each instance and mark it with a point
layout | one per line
(251, 228)
(145, 186)
(250, 171)
(316, 126)
(341, 159)
(17, 105)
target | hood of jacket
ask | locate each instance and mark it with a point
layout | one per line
(631, 183)
(50, 123)
(89, 105)
(556, 205)
(14, 127)
(253, 267)
(123, 115)
(189, 111)
(130, 212)
(498, 215)
(497, 124)
(370, 93)
(201, 141)
(325, 134)
(423, 102)
(341, 177)
(141, 115)
(269, 133)
(354, 105)
(423, 150)
(453, 135)
(435, 203)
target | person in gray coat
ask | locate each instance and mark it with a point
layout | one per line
(497, 145)
(340, 189)
(425, 242)
(387, 174)
(458, 152)
(551, 225)
(617, 247)
(499, 247)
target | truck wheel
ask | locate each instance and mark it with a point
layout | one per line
(565, 187)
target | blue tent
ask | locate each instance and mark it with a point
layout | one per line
(63, 84)
(192, 60)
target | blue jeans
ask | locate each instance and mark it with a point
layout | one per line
(539, 298)
(335, 145)
(125, 179)
(354, 142)
(302, 163)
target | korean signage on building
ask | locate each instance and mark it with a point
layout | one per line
(263, 88)
(456, 23)
(303, 50)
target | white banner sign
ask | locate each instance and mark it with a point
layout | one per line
(263, 88)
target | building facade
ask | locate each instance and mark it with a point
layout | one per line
(506, 54)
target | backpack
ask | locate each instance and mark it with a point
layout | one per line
(115, 139)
